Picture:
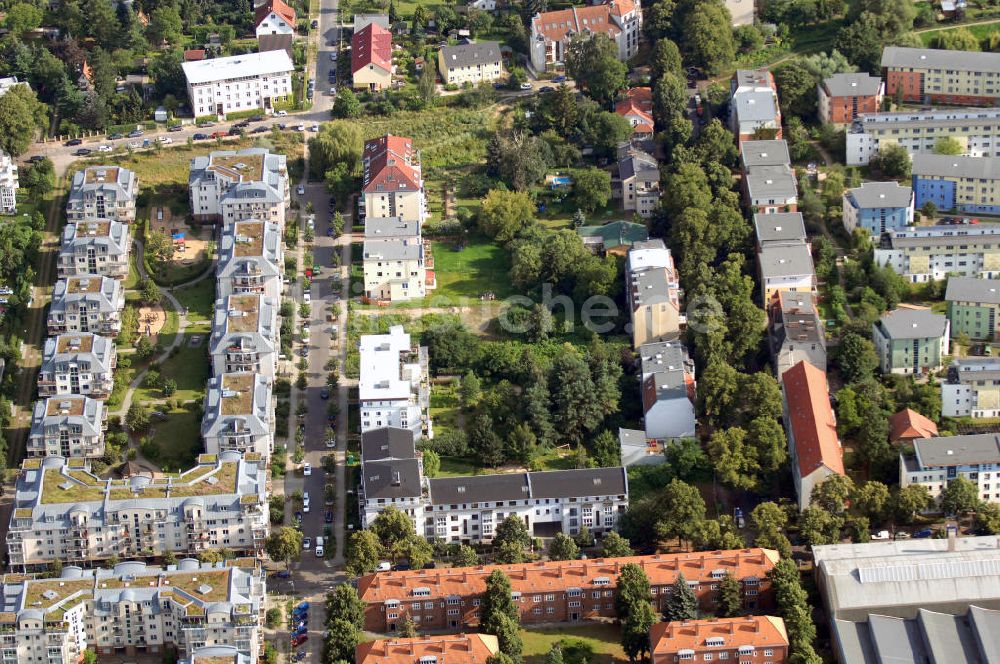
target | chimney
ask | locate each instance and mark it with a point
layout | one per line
(951, 538)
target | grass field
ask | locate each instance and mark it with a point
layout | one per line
(189, 367)
(200, 302)
(445, 410)
(593, 643)
(980, 32)
(177, 439)
(481, 266)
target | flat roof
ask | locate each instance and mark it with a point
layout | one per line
(949, 166)
(931, 58)
(237, 393)
(238, 66)
(969, 289)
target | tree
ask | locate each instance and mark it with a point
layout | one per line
(683, 511)
(929, 209)
(730, 602)
(591, 188)
(563, 547)
(496, 601)
(427, 86)
(819, 526)
(408, 628)
(165, 26)
(417, 551)
(484, 441)
(893, 161)
(592, 61)
(666, 59)
(432, 463)
(394, 528)
(947, 145)
(465, 556)
(137, 417)
(284, 544)
(168, 73)
(767, 516)
(341, 639)
(364, 551)
(512, 535)
(89, 656)
(961, 495)
(22, 17)
(856, 357)
(20, 115)
(635, 630)
(719, 534)
(708, 38)
(149, 292)
(987, 520)
(958, 39)
(614, 545)
(577, 409)
(470, 390)
(346, 106)
(38, 178)
(518, 159)
(909, 500)
(833, 493)
(554, 655)
(337, 143)
(682, 603)
(871, 499)
(343, 602)
(797, 89)
(505, 213)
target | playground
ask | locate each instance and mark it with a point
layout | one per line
(189, 248)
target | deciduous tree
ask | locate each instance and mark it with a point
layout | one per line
(504, 213)
(563, 547)
(592, 61)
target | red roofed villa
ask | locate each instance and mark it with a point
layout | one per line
(811, 429)
(392, 184)
(371, 58)
(637, 108)
(275, 26)
(441, 649)
(735, 639)
(908, 425)
(551, 32)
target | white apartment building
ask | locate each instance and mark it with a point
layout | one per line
(653, 292)
(972, 388)
(925, 253)
(468, 509)
(103, 192)
(977, 130)
(668, 390)
(67, 426)
(470, 63)
(935, 462)
(552, 32)
(393, 184)
(88, 303)
(393, 389)
(239, 83)
(81, 364)
(245, 335)
(393, 260)
(135, 610)
(8, 184)
(251, 259)
(95, 246)
(239, 414)
(64, 512)
(239, 185)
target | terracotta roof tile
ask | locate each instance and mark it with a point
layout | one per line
(371, 45)
(908, 424)
(757, 631)
(390, 165)
(466, 648)
(279, 8)
(811, 419)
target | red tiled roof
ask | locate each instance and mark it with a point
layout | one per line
(471, 648)
(557, 25)
(279, 8)
(759, 631)
(812, 423)
(662, 570)
(194, 54)
(638, 103)
(390, 165)
(371, 45)
(909, 424)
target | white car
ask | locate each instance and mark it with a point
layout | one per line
(104, 148)
(333, 56)
(307, 469)
(281, 114)
(305, 503)
(384, 566)
(300, 127)
(135, 145)
(306, 297)
(331, 442)
(315, 127)
(526, 86)
(165, 140)
(333, 89)
(300, 190)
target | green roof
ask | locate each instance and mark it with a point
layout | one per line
(616, 233)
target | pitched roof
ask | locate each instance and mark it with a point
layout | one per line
(811, 420)
(470, 54)
(908, 424)
(238, 66)
(278, 7)
(446, 648)
(894, 57)
(913, 324)
(852, 85)
(969, 289)
(390, 165)
(372, 45)
(944, 165)
(638, 102)
(758, 631)
(881, 195)
(526, 486)
(564, 23)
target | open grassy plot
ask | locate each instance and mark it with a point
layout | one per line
(980, 32)
(174, 443)
(445, 409)
(189, 367)
(594, 643)
(457, 466)
(200, 302)
(472, 270)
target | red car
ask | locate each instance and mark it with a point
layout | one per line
(299, 640)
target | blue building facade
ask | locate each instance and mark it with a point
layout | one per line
(964, 184)
(878, 207)
(934, 190)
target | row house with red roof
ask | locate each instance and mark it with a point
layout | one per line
(558, 591)
(371, 58)
(392, 184)
(756, 639)
(437, 649)
(552, 32)
(274, 23)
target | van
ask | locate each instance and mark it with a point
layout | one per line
(384, 566)
(319, 547)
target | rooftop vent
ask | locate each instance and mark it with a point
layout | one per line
(204, 589)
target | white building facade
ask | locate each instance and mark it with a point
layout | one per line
(239, 83)
(394, 390)
(8, 184)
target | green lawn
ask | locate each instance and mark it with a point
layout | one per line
(200, 302)
(189, 367)
(479, 267)
(445, 410)
(176, 440)
(457, 467)
(593, 643)
(980, 32)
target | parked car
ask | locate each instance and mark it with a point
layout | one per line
(307, 543)
(922, 534)
(546, 88)
(315, 127)
(301, 606)
(283, 574)
(200, 137)
(324, 393)
(165, 140)
(104, 148)
(176, 127)
(881, 535)
(307, 469)
(300, 190)
(135, 145)
(218, 134)
(260, 130)
(305, 502)
(82, 152)
(135, 134)
(333, 56)
(384, 566)
(328, 517)
(281, 114)
(299, 640)
(206, 123)
(300, 127)
(526, 86)
(559, 79)
(234, 131)
(314, 24)
(73, 141)
(115, 137)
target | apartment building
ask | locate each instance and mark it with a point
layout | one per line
(392, 184)
(637, 108)
(239, 185)
(935, 462)
(245, 335)
(239, 83)
(103, 192)
(94, 246)
(926, 253)
(472, 62)
(668, 388)
(371, 58)
(8, 184)
(747, 638)
(911, 341)
(88, 303)
(763, 153)
(391, 474)
(557, 591)
(67, 426)
(770, 189)
(136, 610)
(877, 206)
(653, 293)
(811, 429)
(753, 106)
(394, 389)
(962, 184)
(64, 512)
(936, 76)
(393, 260)
(843, 97)
(976, 130)
(971, 388)
(552, 32)
(973, 305)
(82, 364)
(795, 332)
(251, 259)
(274, 25)
(239, 414)
(638, 183)
(786, 267)
(471, 648)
